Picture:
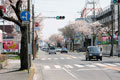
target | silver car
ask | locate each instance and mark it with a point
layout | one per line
(52, 50)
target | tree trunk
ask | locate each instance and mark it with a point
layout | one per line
(112, 44)
(24, 49)
(94, 40)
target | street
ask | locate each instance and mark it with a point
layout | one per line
(72, 66)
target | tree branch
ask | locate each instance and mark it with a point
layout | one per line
(12, 20)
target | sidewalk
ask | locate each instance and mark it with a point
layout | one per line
(11, 72)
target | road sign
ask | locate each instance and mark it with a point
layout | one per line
(2, 8)
(25, 16)
(36, 28)
(36, 24)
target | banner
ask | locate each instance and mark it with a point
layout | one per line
(10, 46)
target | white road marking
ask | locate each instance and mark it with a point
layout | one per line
(68, 58)
(80, 57)
(46, 67)
(68, 66)
(91, 65)
(70, 74)
(117, 63)
(77, 65)
(109, 64)
(61, 58)
(74, 57)
(55, 58)
(49, 58)
(99, 64)
(91, 69)
(43, 59)
(57, 66)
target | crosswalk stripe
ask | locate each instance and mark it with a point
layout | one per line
(74, 57)
(68, 66)
(43, 59)
(117, 63)
(55, 58)
(91, 65)
(109, 64)
(46, 67)
(61, 58)
(57, 66)
(49, 58)
(77, 65)
(99, 64)
(68, 58)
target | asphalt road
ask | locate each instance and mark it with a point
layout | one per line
(72, 66)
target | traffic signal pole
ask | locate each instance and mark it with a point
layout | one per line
(118, 31)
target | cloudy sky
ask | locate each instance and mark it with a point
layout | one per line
(67, 8)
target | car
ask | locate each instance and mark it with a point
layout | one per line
(52, 50)
(64, 50)
(58, 49)
(44, 49)
(93, 52)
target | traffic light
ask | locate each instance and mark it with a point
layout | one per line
(60, 17)
(116, 1)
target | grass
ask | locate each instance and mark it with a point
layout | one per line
(1, 62)
(15, 57)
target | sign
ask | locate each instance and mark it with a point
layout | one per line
(25, 16)
(10, 46)
(29, 48)
(3, 8)
(36, 24)
(36, 28)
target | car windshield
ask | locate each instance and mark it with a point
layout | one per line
(64, 49)
(94, 49)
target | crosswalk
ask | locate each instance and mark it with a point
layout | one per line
(77, 66)
(61, 58)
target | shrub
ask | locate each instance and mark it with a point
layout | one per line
(3, 57)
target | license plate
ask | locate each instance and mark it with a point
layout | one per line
(94, 56)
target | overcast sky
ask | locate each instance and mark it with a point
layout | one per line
(67, 8)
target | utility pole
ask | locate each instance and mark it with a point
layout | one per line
(92, 41)
(112, 27)
(118, 31)
(28, 36)
(33, 39)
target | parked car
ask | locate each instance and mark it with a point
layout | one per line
(93, 52)
(58, 49)
(52, 50)
(64, 50)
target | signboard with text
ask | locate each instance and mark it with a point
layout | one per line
(10, 46)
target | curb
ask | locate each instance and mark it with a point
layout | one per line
(32, 72)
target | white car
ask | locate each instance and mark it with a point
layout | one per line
(52, 50)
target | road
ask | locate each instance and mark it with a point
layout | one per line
(72, 66)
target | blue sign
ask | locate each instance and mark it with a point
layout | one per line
(25, 16)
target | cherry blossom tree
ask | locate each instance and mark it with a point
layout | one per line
(96, 28)
(56, 39)
(13, 10)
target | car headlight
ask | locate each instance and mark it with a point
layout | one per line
(100, 54)
(90, 54)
